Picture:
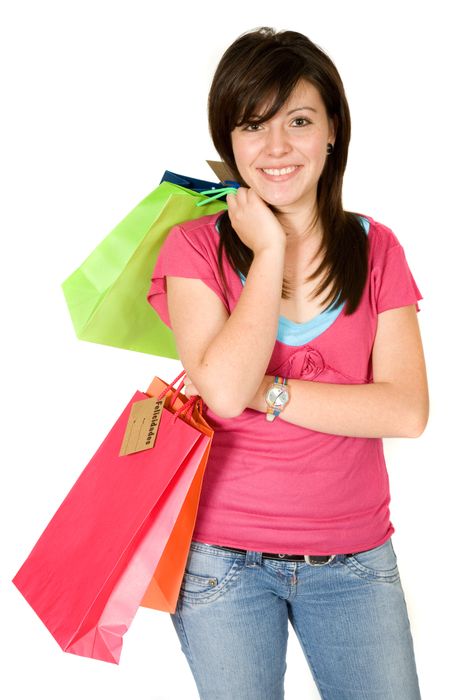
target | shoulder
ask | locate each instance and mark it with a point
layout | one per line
(381, 237)
(200, 232)
(194, 241)
(392, 283)
(380, 234)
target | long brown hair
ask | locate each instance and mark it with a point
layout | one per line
(265, 64)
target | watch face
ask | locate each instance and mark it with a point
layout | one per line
(278, 396)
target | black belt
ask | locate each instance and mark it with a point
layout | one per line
(312, 559)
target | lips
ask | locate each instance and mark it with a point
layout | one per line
(279, 167)
(280, 178)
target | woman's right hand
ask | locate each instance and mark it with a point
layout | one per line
(256, 225)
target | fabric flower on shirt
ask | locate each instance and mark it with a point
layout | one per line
(304, 363)
(310, 363)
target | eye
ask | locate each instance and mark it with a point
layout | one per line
(246, 128)
(302, 119)
(297, 119)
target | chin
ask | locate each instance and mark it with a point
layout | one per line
(281, 201)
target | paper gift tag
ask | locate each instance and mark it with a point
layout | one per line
(221, 170)
(142, 426)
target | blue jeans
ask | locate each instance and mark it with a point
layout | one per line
(349, 616)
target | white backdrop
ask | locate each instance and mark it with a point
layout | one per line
(99, 98)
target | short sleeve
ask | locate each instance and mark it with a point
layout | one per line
(395, 285)
(183, 254)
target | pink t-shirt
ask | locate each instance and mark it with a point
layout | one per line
(279, 487)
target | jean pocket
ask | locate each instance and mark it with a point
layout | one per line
(209, 573)
(379, 563)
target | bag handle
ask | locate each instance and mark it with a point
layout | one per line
(218, 192)
(172, 386)
(188, 406)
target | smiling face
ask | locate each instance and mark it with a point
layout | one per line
(296, 136)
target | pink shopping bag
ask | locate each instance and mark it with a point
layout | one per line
(90, 569)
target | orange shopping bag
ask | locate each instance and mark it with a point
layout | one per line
(121, 537)
(163, 590)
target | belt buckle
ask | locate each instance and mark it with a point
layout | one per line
(310, 557)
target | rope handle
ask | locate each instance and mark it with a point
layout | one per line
(218, 192)
(187, 407)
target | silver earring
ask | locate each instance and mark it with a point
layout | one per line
(330, 148)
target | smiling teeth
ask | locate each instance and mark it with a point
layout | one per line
(283, 171)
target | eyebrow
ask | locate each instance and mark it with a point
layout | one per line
(299, 108)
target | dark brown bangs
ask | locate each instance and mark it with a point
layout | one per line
(270, 89)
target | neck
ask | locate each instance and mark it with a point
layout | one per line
(297, 222)
(299, 230)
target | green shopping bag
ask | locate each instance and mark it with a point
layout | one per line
(106, 295)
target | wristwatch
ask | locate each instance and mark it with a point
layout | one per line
(277, 396)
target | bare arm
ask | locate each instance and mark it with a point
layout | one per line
(240, 353)
(227, 356)
(395, 405)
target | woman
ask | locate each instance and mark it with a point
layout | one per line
(303, 342)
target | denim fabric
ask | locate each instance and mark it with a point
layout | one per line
(350, 617)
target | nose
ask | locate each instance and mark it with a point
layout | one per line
(277, 142)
